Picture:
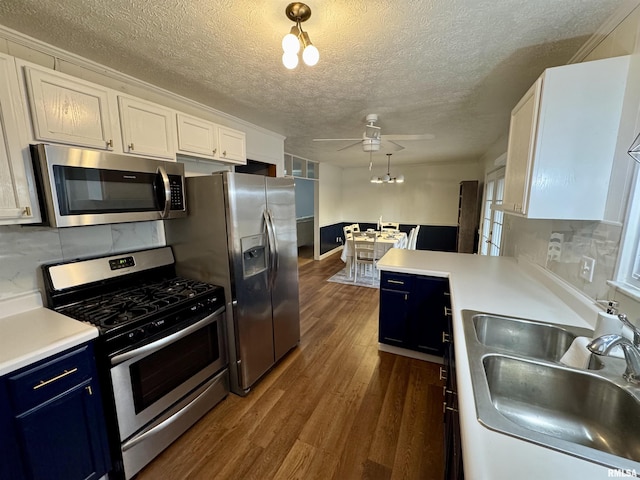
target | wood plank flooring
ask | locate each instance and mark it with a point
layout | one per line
(334, 408)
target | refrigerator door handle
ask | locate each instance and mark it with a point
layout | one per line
(271, 242)
(276, 260)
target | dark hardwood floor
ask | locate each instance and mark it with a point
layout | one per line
(334, 408)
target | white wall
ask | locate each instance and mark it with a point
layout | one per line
(329, 195)
(429, 195)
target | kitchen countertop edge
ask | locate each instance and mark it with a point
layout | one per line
(30, 332)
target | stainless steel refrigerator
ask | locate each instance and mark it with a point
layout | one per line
(240, 233)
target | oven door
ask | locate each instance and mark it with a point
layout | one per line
(149, 379)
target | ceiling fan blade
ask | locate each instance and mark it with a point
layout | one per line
(397, 145)
(405, 138)
(336, 139)
(359, 142)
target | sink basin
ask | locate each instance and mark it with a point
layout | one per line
(521, 389)
(523, 337)
(570, 405)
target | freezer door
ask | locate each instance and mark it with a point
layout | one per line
(284, 276)
(249, 258)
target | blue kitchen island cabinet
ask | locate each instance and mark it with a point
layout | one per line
(413, 311)
(57, 418)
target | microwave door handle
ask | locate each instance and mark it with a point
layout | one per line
(167, 191)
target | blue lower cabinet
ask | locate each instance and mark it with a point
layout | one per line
(58, 418)
(10, 461)
(413, 311)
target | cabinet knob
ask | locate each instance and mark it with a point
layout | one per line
(131, 146)
(26, 212)
(215, 150)
(224, 153)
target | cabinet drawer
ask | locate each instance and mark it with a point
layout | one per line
(36, 384)
(396, 281)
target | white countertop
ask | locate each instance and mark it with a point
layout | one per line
(501, 285)
(29, 332)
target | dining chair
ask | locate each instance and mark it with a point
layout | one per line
(389, 226)
(412, 241)
(410, 238)
(364, 254)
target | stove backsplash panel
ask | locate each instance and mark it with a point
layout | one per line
(24, 249)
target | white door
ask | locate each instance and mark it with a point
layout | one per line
(15, 193)
(68, 110)
(147, 129)
(232, 145)
(197, 136)
(492, 219)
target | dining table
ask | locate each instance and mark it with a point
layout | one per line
(384, 241)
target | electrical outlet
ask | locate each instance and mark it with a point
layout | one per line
(587, 265)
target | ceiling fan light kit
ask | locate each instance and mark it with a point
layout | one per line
(387, 178)
(297, 38)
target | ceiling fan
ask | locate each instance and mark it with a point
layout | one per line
(372, 138)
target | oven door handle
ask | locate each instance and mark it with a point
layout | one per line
(163, 342)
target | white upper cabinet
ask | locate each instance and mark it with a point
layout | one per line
(562, 141)
(197, 136)
(68, 110)
(147, 128)
(206, 139)
(18, 203)
(232, 145)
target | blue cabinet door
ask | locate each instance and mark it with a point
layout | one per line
(10, 462)
(394, 309)
(62, 438)
(427, 315)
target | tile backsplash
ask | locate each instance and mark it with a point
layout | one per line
(23, 248)
(559, 245)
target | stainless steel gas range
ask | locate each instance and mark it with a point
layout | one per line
(161, 350)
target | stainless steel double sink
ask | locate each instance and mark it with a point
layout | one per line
(521, 389)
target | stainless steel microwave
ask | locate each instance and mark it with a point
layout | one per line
(86, 187)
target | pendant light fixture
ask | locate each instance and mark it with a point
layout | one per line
(297, 38)
(387, 178)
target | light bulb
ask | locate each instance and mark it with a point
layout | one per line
(310, 55)
(400, 179)
(290, 60)
(290, 43)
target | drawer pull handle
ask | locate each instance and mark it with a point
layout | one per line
(443, 373)
(51, 380)
(447, 312)
(395, 281)
(446, 338)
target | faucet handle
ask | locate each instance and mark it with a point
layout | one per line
(636, 332)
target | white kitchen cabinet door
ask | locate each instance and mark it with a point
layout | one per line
(147, 128)
(68, 110)
(18, 203)
(197, 137)
(522, 133)
(232, 145)
(562, 141)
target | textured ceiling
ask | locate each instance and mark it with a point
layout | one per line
(451, 68)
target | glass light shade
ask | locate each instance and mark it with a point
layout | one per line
(400, 179)
(310, 55)
(290, 43)
(290, 60)
(375, 179)
(386, 177)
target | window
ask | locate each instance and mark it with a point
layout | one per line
(492, 219)
(627, 276)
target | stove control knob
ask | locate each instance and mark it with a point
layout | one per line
(136, 335)
(155, 326)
